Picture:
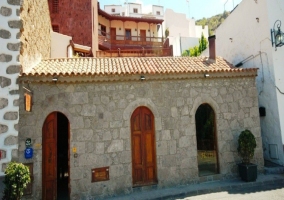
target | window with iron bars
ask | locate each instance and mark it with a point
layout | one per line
(55, 6)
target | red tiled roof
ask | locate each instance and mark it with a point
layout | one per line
(131, 66)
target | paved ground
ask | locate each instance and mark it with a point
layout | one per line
(268, 187)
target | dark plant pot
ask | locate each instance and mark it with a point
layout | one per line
(248, 172)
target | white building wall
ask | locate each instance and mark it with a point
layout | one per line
(245, 36)
(9, 72)
(275, 12)
(59, 44)
(117, 9)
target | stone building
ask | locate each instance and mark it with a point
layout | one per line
(73, 18)
(110, 125)
(25, 40)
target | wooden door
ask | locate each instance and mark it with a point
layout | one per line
(113, 33)
(144, 170)
(143, 35)
(49, 162)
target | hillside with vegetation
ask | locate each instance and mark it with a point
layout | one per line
(213, 22)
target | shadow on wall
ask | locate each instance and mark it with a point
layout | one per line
(1, 186)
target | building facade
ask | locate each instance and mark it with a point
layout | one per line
(253, 48)
(127, 124)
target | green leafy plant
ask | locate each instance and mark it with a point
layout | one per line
(197, 50)
(167, 32)
(17, 176)
(246, 146)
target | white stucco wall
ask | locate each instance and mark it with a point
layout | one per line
(243, 37)
(59, 43)
(181, 44)
(8, 100)
(177, 23)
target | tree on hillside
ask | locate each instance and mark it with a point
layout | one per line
(213, 22)
(197, 50)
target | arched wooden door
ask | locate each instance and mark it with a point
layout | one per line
(50, 154)
(144, 170)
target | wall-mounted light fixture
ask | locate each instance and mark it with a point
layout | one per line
(277, 36)
(142, 78)
(119, 28)
(257, 19)
(105, 39)
(231, 39)
(148, 30)
(206, 75)
(136, 29)
(54, 79)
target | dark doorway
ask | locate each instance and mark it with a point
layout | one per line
(207, 154)
(62, 157)
(55, 167)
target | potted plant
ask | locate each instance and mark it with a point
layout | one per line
(17, 176)
(246, 148)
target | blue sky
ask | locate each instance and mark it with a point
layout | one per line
(197, 8)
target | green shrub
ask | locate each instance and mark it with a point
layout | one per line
(17, 176)
(247, 145)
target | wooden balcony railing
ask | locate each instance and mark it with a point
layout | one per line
(155, 52)
(126, 42)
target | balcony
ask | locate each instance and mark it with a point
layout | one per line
(113, 42)
(155, 52)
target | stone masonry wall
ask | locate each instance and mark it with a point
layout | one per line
(74, 19)
(99, 116)
(36, 32)
(10, 25)
(24, 39)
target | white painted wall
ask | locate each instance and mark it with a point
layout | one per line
(181, 44)
(117, 9)
(251, 42)
(59, 44)
(5, 91)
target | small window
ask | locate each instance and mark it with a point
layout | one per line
(55, 28)
(158, 13)
(113, 10)
(123, 13)
(55, 6)
(103, 30)
(135, 10)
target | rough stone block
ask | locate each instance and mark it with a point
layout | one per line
(3, 103)
(14, 47)
(5, 11)
(162, 148)
(5, 81)
(78, 98)
(16, 102)
(88, 110)
(84, 134)
(115, 146)
(5, 57)
(11, 115)
(13, 92)
(14, 2)
(5, 34)
(3, 128)
(13, 69)
(15, 24)
(11, 140)
(18, 35)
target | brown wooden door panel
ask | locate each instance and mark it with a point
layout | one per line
(49, 167)
(143, 147)
(143, 35)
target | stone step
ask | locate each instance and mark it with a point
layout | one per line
(274, 170)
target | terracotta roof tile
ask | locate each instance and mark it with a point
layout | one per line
(130, 65)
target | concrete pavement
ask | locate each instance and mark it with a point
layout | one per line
(199, 191)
